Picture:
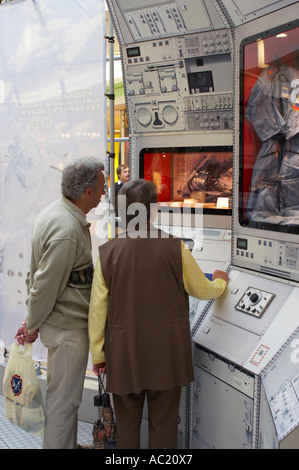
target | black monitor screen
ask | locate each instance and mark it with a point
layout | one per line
(200, 82)
(269, 130)
(191, 175)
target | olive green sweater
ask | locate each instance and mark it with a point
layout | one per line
(60, 277)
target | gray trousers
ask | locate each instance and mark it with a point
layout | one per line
(66, 368)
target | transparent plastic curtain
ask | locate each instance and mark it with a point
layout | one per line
(52, 111)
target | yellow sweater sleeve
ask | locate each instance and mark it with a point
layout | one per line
(196, 283)
(97, 315)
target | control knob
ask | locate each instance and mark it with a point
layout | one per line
(254, 298)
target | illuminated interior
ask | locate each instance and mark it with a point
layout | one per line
(190, 176)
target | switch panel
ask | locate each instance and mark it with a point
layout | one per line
(254, 302)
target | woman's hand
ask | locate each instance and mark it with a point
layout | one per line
(99, 368)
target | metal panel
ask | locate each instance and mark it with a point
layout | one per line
(222, 416)
(242, 12)
(281, 383)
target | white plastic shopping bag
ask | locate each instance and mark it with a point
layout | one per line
(21, 389)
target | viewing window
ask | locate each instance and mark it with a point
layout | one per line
(190, 175)
(269, 130)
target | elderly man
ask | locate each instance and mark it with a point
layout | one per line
(59, 285)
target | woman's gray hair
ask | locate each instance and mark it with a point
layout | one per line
(79, 176)
(141, 191)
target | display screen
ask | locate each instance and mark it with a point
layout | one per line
(133, 51)
(269, 130)
(190, 175)
(242, 243)
(200, 82)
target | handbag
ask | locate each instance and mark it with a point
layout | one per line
(21, 390)
(104, 429)
(106, 414)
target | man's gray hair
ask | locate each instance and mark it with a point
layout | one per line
(79, 176)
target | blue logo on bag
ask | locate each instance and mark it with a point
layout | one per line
(16, 384)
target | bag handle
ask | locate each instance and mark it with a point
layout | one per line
(101, 384)
(105, 398)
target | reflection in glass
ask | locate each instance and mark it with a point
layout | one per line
(188, 176)
(269, 145)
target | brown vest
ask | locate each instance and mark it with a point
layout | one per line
(147, 342)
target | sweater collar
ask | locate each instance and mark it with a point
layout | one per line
(75, 211)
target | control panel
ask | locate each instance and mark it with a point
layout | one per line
(148, 19)
(180, 83)
(209, 43)
(274, 257)
(254, 302)
(209, 112)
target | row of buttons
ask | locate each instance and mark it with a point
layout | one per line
(153, 20)
(136, 60)
(245, 253)
(264, 243)
(147, 59)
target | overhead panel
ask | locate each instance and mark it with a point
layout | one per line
(241, 11)
(158, 19)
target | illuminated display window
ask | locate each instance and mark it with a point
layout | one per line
(269, 130)
(190, 175)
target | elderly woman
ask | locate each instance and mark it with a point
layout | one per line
(139, 320)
